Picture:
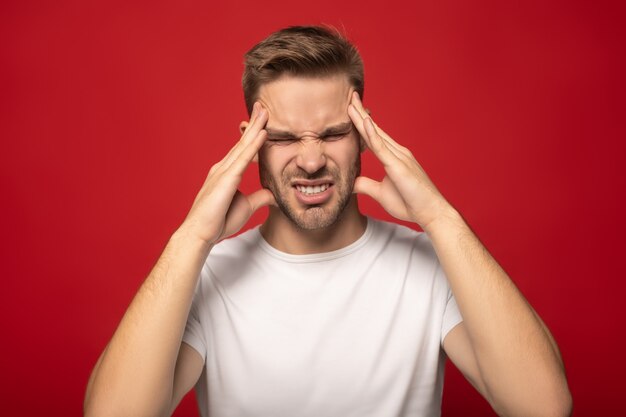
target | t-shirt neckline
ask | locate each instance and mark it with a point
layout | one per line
(317, 257)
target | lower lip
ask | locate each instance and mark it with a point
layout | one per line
(314, 199)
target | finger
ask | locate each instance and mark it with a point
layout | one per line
(255, 111)
(242, 208)
(261, 198)
(360, 111)
(247, 154)
(256, 107)
(227, 159)
(250, 137)
(367, 186)
(383, 152)
(359, 117)
(373, 132)
(392, 143)
(357, 120)
(257, 121)
(364, 113)
(358, 104)
(375, 144)
(359, 123)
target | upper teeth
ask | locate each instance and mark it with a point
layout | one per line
(312, 189)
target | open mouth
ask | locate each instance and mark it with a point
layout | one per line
(312, 189)
(313, 192)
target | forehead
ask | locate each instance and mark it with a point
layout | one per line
(306, 104)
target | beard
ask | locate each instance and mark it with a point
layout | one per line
(314, 216)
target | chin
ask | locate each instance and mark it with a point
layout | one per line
(313, 218)
(314, 221)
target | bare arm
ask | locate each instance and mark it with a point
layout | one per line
(502, 346)
(135, 373)
(144, 370)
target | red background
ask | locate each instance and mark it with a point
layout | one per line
(113, 112)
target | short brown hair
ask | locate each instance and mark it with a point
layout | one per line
(300, 51)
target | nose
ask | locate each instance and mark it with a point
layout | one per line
(311, 157)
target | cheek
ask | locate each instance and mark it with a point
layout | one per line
(272, 158)
(344, 152)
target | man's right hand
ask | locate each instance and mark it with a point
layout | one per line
(145, 370)
(220, 209)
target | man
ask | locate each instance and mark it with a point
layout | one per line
(321, 311)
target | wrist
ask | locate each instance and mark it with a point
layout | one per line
(186, 235)
(447, 217)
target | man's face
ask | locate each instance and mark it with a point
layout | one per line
(311, 157)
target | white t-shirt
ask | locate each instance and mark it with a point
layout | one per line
(352, 332)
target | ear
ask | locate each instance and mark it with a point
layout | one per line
(242, 128)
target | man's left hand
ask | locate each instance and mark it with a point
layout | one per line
(405, 192)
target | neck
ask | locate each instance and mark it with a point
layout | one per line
(284, 235)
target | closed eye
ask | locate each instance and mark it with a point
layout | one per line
(277, 141)
(289, 141)
(334, 137)
(285, 138)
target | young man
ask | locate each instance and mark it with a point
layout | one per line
(321, 311)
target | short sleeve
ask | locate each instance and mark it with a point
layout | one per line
(194, 333)
(451, 314)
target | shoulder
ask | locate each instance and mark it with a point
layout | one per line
(409, 254)
(232, 255)
(238, 245)
(398, 236)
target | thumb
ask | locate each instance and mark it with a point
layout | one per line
(367, 186)
(261, 198)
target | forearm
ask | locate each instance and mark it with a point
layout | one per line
(512, 356)
(518, 360)
(134, 375)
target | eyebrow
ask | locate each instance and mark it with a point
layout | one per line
(341, 128)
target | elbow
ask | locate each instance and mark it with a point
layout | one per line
(559, 403)
(561, 406)
(93, 409)
(556, 402)
(119, 409)
(89, 410)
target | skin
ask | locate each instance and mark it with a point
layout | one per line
(145, 370)
(311, 138)
(502, 346)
